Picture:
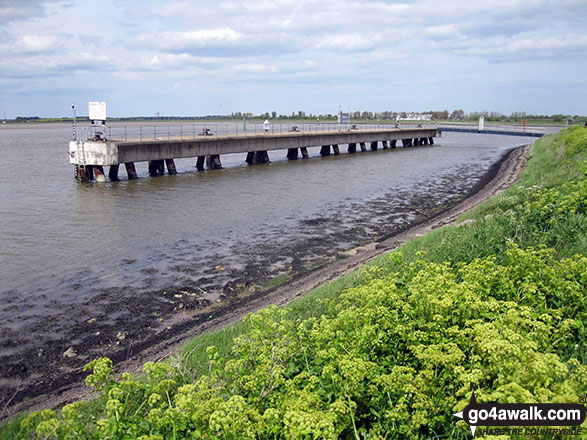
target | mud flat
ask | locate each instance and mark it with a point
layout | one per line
(132, 327)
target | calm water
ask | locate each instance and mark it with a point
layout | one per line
(63, 242)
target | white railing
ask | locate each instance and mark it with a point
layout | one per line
(122, 133)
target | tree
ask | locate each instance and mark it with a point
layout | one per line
(457, 114)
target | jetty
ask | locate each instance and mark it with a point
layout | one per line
(92, 151)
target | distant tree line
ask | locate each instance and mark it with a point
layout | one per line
(357, 115)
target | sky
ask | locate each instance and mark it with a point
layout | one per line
(193, 58)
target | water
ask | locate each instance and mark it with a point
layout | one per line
(71, 251)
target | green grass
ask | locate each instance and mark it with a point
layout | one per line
(548, 166)
(544, 209)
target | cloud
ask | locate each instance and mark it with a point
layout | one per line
(37, 43)
(523, 49)
(348, 42)
(177, 42)
(21, 10)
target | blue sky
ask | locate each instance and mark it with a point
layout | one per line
(217, 57)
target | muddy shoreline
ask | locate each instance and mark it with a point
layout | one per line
(131, 328)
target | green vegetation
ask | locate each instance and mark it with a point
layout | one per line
(390, 351)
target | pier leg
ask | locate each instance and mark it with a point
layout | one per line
(261, 157)
(131, 171)
(416, 142)
(374, 146)
(384, 145)
(200, 163)
(160, 167)
(352, 148)
(99, 172)
(304, 152)
(153, 168)
(81, 173)
(363, 146)
(171, 170)
(113, 173)
(431, 140)
(250, 157)
(292, 153)
(393, 143)
(406, 142)
(214, 162)
(89, 172)
(336, 149)
(325, 150)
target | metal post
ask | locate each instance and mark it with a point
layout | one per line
(74, 123)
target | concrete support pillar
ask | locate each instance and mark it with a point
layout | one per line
(304, 152)
(424, 141)
(336, 149)
(292, 153)
(171, 170)
(416, 142)
(393, 143)
(113, 173)
(261, 157)
(131, 172)
(99, 172)
(363, 146)
(89, 172)
(352, 148)
(200, 163)
(82, 173)
(384, 145)
(325, 150)
(374, 146)
(407, 142)
(431, 140)
(156, 168)
(213, 162)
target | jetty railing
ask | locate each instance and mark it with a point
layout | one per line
(202, 129)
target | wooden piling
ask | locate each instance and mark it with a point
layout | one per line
(336, 150)
(393, 143)
(431, 140)
(363, 146)
(131, 172)
(374, 146)
(325, 150)
(352, 148)
(304, 151)
(384, 145)
(406, 142)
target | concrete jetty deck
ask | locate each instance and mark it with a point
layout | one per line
(90, 156)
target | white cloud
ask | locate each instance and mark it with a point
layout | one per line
(184, 41)
(348, 42)
(37, 43)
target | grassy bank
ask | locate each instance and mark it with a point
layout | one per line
(392, 350)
